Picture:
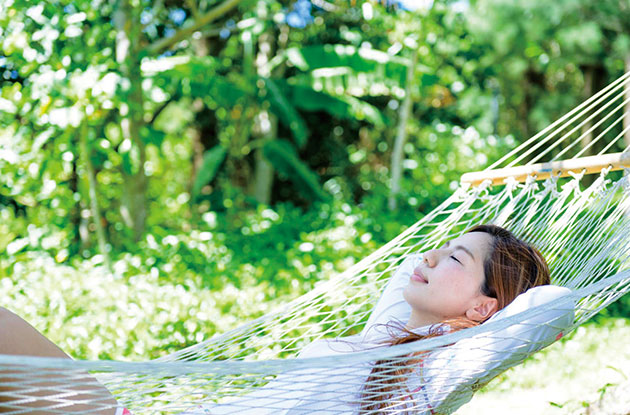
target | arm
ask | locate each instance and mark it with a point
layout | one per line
(17, 337)
(451, 375)
(295, 390)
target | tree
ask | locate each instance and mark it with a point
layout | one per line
(547, 57)
(96, 51)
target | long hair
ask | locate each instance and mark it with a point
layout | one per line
(511, 267)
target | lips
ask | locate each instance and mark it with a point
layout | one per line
(419, 277)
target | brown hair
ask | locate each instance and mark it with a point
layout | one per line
(512, 267)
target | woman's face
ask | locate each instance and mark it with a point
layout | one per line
(447, 283)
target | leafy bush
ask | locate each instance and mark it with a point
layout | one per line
(176, 290)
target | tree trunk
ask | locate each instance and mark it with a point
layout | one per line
(401, 134)
(523, 110)
(133, 209)
(200, 46)
(266, 127)
(94, 209)
(587, 137)
(263, 178)
(197, 144)
(75, 213)
(626, 119)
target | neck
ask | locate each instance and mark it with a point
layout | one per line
(420, 320)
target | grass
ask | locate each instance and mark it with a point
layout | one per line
(568, 377)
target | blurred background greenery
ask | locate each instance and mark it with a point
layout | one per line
(170, 169)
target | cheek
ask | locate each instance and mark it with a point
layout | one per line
(456, 287)
(449, 291)
(457, 284)
(459, 278)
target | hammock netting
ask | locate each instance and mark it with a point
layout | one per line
(580, 223)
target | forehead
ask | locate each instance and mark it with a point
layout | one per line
(476, 242)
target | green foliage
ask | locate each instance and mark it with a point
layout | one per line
(212, 160)
(618, 309)
(285, 159)
(232, 269)
(287, 113)
(556, 57)
(341, 107)
(319, 103)
(355, 71)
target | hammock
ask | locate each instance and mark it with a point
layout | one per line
(282, 362)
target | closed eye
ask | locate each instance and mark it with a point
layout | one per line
(456, 259)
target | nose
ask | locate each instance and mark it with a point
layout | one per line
(430, 258)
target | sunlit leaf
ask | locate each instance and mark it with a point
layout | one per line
(344, 107)
(212, 160)
(344, 69)
(285, 160)
(152, 136)
(286, 113)
(197, 77)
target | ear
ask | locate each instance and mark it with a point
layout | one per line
(483, 308)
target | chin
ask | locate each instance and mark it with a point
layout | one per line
(411, 299)
(406, 294)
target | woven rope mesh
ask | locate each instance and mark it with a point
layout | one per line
(581, 224)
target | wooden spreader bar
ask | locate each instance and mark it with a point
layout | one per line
(560, 168)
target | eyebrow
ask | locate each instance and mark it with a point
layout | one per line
(463, 248)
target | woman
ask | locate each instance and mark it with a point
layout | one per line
(459, 285)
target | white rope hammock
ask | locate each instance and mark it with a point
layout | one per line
(288, 362)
